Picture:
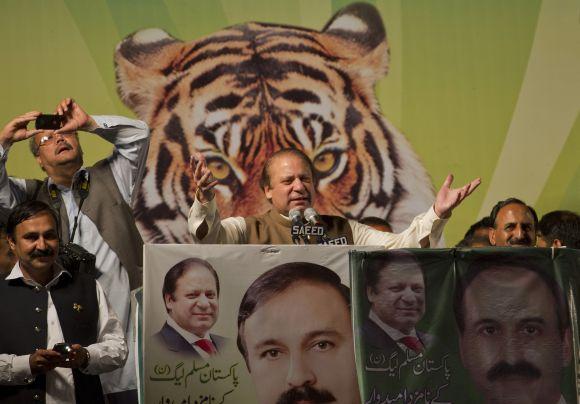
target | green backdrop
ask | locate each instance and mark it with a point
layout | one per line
(488, 89)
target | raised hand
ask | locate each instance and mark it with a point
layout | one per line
(448, 198)
(203, 181)
(15, 130)
(75, 117)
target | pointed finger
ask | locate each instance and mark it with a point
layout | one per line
(205, 177)
(31, 133)
(191, 164)
(473, 185)
(448, 181)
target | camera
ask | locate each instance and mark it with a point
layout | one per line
(49, 121)
(62, 348)
(75, 258)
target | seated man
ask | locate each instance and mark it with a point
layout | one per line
(54, 306)
(376, 223)
(289, 184)
(513, 224)
(560, 228)
(477, 235)
(191, 291)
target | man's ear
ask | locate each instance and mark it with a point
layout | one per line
(491, 235)
(168, 301)
(268, 192)
(11, 243)
(39, 161)
(370, 294)
(557, 243)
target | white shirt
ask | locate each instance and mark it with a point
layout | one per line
(426, 229)
(108, 353)
(395, 334)
(190, 337)
(129, 137)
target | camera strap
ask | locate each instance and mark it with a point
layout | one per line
(83, 185)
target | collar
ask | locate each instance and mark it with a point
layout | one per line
(279, 217)
(188, 336)
(16, 273)
(83, 171)
(395, 334)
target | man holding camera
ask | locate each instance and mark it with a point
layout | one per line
(92, 202)
(62, 331)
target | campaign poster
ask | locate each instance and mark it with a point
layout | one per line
(277, 329)
(466, 325)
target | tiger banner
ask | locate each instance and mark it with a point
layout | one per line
(247, 324)
(466, 325)
(386, 97)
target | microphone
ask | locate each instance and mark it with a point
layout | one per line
(296, 218)
(311, 215)
(314, 219)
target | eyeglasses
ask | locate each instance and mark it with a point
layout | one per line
(50, 137)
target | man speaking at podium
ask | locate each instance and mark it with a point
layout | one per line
(288, 183)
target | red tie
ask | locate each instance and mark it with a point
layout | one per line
(412, 343)
(207, 346)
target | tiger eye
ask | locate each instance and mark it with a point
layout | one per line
(219, 169)
(324, 162)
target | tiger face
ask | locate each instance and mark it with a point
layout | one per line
(249, 90)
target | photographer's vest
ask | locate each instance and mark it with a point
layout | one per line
(23, 317)
(273, 228)
(108, 210)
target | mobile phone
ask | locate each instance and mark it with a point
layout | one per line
(45, 121)
(62, 348)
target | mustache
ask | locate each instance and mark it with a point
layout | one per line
(520, 241)
(306, 393)
(48, 252)
(520, 368)
(66, 145)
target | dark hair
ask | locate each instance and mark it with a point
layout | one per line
(177, 271)
(509, 201)
(25, 211)
(506, 259)
(265, 177)
(33, 146)
(276, 281)
(563, 225)
(470, 238)
(377, 264)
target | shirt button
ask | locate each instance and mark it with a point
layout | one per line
(36, 328)
(37, 309)
(36, 397)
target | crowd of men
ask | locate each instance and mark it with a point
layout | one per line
(89, 207)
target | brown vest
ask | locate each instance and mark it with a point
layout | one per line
(273, 228)
(108, 210)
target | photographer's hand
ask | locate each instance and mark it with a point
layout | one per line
(75, 117)
(43, 360)
(15, 130)
(77, 358)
